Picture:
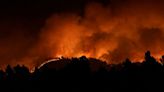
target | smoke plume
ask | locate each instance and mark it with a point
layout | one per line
(111, 32)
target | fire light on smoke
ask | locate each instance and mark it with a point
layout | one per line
(111, 32)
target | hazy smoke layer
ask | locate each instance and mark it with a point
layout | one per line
(122, 29)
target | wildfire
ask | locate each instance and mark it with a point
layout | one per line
(111, 33)
(107, 33)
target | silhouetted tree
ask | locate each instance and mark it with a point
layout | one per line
(21, 72)
(79, 70)
(2, 75)
(162, 60)
(149, 59)
(9, 73)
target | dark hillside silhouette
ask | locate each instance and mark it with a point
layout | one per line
(89, 72)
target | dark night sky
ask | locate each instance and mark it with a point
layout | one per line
(27, 13)
(38, 9)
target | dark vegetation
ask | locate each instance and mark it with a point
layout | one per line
(88, 73)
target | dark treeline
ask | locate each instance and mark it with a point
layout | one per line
(95, 74)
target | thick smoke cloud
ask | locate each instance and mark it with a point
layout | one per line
(111, 32)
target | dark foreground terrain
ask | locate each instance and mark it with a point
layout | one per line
(86, 74)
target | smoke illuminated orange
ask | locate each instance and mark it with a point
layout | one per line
(111, 33)
(103, 33)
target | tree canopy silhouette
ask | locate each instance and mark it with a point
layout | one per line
(90, 71)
